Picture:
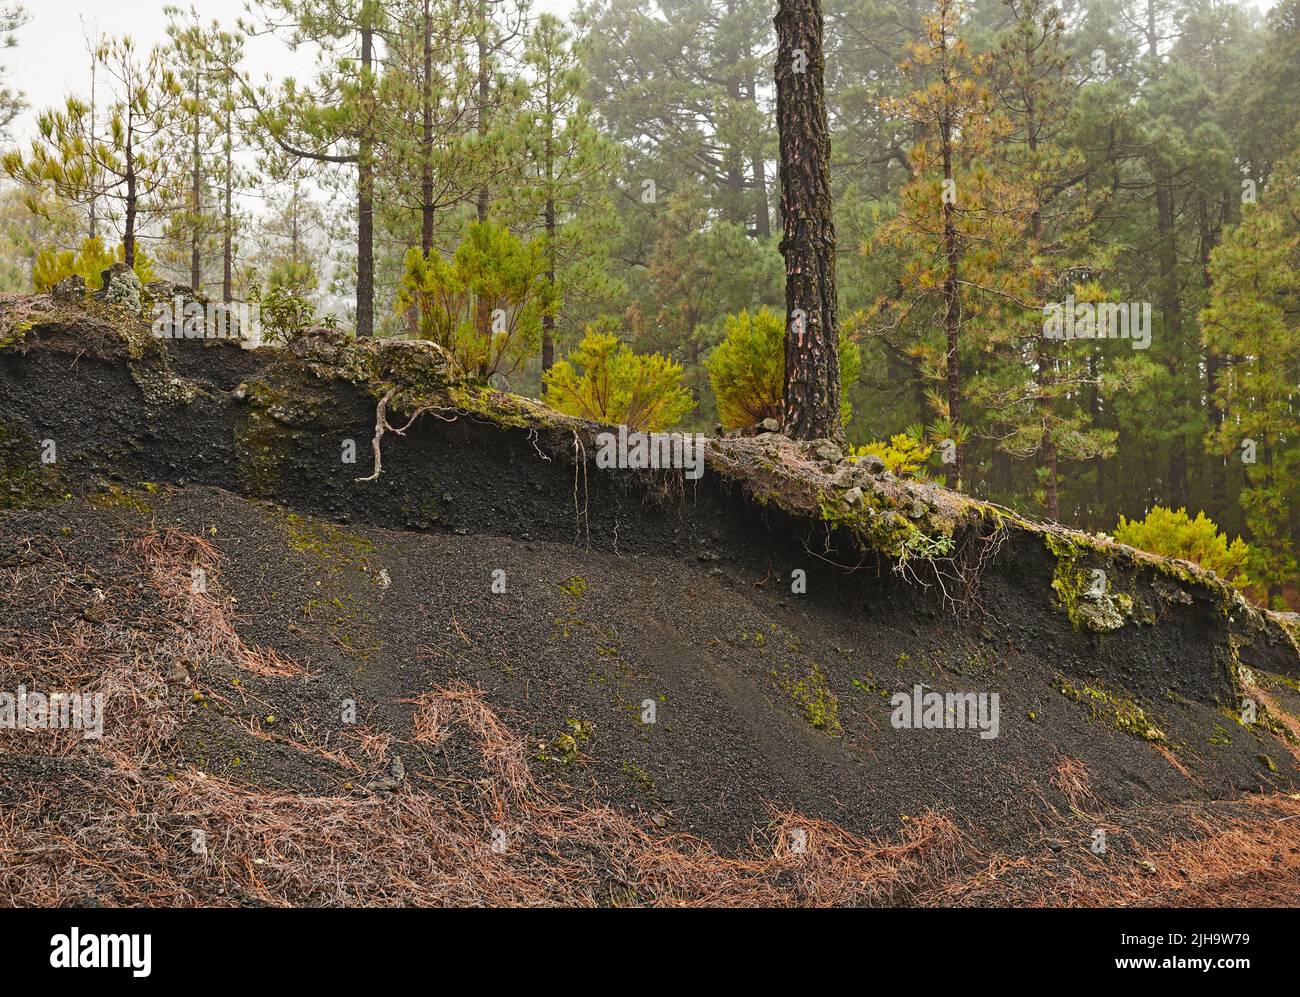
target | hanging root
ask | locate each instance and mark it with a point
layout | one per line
(382, 426)
(580, 511)
(958, 575)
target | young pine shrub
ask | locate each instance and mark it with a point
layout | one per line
(1174, 534)
(641, 391)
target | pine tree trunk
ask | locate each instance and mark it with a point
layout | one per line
(482, 201)
(548, 320)
(196, 196)
(365, 206)
(763, 216)
(811, 399)
(426, 166)
(1045, 366)
(481, 317)
(548, 154)
(128, 227)
(952, 317)
(1171, 310)
(94, 111)
(228, 227)
(762, 213)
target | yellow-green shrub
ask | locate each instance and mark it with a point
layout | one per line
(1174, 534)
(641, 391)
(88, 261)
(747, 369)
(903, 455)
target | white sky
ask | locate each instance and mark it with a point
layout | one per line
(51, 60)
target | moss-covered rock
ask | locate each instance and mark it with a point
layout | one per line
(25, 482)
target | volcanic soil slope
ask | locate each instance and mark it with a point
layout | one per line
(497, 673)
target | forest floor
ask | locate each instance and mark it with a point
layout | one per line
(494, 678)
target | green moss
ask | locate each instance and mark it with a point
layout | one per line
(575, 586)
(982, 663)
(25, 483)
(502, 408)
(117, 497)
(1072, 586)
(639, 776)
(874, 524)
(262, 445)
(566, 747)
(161, 388)
(1267, 762)
(1270, 680)
(1121, 712)
(871, 687)
(270, 429)
(571, 622)
(813, 695)
(1290, 627)
(336, 547)
(1068, 580)
(14, 332)
(336, 554)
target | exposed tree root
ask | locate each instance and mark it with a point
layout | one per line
(382, 426)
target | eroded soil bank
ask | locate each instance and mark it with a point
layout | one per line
(349, 709)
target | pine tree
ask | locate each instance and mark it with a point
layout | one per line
(12, 17)
(497, 28)
(431, 158)
(569, 166)
(492, 273)
(1054, 256)
(680, 84)
(125, 161)
(956, 217)
(334, 120)
(207, 64)
(1252, 324)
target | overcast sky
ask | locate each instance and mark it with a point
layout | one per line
(51, 60)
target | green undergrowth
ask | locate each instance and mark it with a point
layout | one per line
(812, 694)
(565, 748)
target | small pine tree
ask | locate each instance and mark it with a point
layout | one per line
(569, 165)
(88, 261)
(1173, 534)
(641, 391)
(493, 274)
(124, 160)
(1249, 326)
